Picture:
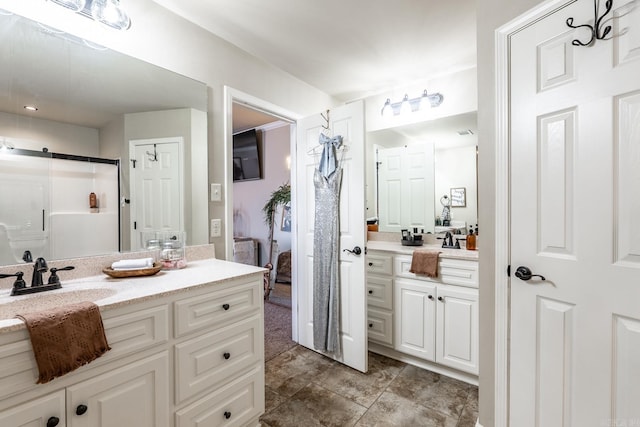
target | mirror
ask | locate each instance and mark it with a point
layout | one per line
(94, 102)
(414, 166)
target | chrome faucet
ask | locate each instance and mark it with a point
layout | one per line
(39, 266)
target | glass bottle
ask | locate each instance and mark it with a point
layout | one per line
(471, 240)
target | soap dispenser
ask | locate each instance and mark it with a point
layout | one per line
(471, 240)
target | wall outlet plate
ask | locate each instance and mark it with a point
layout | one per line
(216, 227)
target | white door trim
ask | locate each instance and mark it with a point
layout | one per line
(502, 186)
(232, 95)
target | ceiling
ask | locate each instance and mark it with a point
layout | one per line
(349, 49)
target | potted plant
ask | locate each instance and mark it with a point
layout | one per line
(281, 196)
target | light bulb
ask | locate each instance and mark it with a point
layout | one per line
(73, 5)
(387, 110)
(109, 13)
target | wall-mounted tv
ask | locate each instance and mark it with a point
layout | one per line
(247, 161)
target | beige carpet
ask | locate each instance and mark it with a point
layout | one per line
(277, 330)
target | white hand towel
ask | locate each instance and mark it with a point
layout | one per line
(132, 264)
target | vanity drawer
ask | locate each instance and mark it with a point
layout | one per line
(380, 292)
(403, 265)
(216, 308)
(126, 334)
(380, 326)
(212, 358)
(242, 400)
(459, 272)
(379, 264)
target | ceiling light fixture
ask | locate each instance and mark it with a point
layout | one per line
(410, 105)
(107, 12)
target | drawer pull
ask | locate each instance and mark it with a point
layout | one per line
(370, 264)
(371, 325)
(227, 414)
(370, 292)
(53, 421)
(81, 409)
(431, 297)
(440, 299)
(225, 307)
(226, 356)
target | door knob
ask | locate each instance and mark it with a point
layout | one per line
(524, 273)
(356, 250)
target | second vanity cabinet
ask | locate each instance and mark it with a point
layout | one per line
(192, 358)
(434, 320)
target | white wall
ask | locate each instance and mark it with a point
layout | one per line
(31, 133)
(455, 168)
(161, 124)
(459, 90)
(190, 50)
(249, 197)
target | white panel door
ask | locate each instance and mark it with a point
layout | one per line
(348, 121)
(575, 219)
(406, 177)
(157, 196)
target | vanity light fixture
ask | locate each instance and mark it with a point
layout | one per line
(411, 105)
(72, 5)
(107, 12)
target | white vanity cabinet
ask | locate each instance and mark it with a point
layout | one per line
(195, 357)
(433, 319)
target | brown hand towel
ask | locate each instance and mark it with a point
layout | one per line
(425, 262)
(65, 338)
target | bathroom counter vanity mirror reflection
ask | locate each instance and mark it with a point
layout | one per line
(94, 103)
(414, 166)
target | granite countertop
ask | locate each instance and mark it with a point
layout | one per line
(110, 293)
(396, 247)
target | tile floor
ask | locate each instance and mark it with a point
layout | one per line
(304, 388)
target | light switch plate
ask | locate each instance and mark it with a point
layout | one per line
(216, 192)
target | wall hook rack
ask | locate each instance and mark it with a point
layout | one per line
(153, 157)
(597, 32)
(325, 116)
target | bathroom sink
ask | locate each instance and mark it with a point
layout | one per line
(50, 299)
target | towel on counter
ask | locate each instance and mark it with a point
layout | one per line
(65, 338)
(425, 262)
(132, 264)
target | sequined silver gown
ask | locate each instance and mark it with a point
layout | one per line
(326, 285)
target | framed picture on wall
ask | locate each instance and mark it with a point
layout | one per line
(458, 197)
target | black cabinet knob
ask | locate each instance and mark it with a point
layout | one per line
(53, 422)
(225, 307)
(430, 297)
(370, 264)
(81, 409)
(227, 414)
(370, 292)
(371, 325)
(227, 356)
(440, 299)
